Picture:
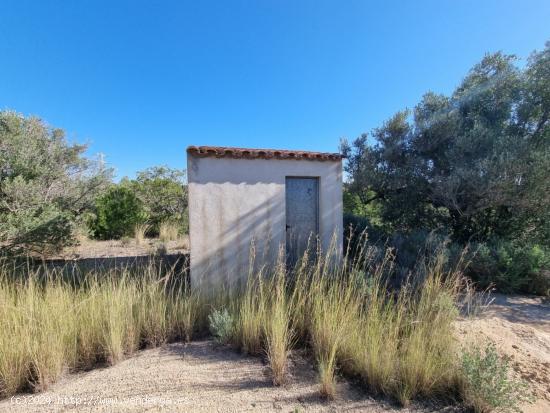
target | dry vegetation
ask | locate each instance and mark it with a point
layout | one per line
(399, 344)
(519, 327)
(396, 343)
(139, 232)
(168, 231)
(127, 247)
(50, 322)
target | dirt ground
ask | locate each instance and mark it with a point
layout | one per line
(201, 377)
(123, 248)
(520, 328)
(197, 377)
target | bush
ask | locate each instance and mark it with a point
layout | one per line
(510, 266)
(163, 192)
(355, 225)
(408, 249)
(46, 184)
(486, 382)
(116, 214)
(220, 323)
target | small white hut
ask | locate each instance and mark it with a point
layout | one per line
(274, 198)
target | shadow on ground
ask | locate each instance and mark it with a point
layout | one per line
(530, 310)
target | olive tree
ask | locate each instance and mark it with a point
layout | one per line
(46, 184)
(474, 163)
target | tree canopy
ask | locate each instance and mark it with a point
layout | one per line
(46, 184)
(475, 164)
(164, 194)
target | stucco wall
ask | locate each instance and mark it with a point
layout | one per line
(233, 201)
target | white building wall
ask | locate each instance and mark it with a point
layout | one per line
(233, 201)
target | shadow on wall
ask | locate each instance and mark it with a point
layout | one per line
(223, 255)
(221, 245)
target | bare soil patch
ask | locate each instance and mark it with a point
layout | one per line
(520, 328)
(126, 248)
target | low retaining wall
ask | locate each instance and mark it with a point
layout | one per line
(177, 264)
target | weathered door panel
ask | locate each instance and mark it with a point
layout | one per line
(302, 216)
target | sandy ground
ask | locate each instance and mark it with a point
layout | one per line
(198, 377)
(520, 328)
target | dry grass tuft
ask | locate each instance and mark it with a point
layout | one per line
(278, 333)
(168, 231)
(399, 342)
(139, 232)
(51, 321)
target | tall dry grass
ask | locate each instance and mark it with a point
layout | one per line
(263, 319)
(139, 232)
(398, 342)
(278, 335)
(168, 231)
(51, 322)
(251, 315)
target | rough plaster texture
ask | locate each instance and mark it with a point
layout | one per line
(233, 202)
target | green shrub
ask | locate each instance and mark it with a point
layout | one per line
(117, 213)
(221, 325)
(163, 192)
(510, 266)
(487, 385)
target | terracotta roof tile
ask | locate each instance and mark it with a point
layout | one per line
(248, 153)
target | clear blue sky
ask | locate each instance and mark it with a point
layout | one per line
(141, 80)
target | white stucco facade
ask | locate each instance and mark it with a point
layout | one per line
(235, 201)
